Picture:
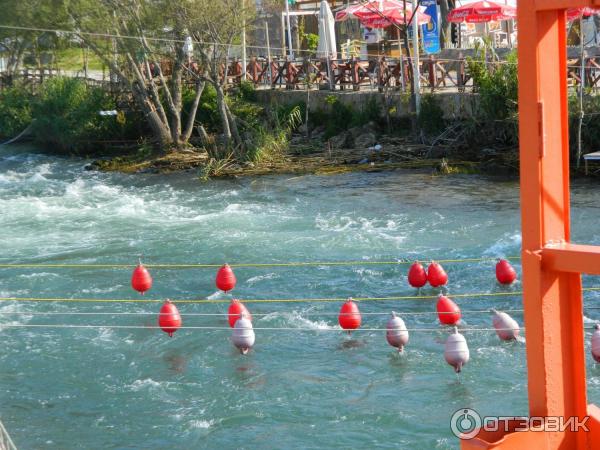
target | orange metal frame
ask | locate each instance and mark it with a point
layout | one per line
(552, 266)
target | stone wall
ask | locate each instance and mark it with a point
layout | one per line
(454, 104)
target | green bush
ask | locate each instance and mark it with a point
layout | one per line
(271, 143)
(247, 91)
(207, 113)
(281, 112)
(312, 42)
(431, 117)
(67, 118)
(15, 111)
(339, 116)
(496, 83)
(251, 115)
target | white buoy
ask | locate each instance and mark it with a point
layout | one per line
(506, 327)
(456, 350)
(397, 334)
(596, 343)
(243, 334)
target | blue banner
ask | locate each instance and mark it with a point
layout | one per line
(431, 31)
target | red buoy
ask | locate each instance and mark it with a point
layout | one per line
(235, 312)
(505, 273)
(349, 318)
(448, 311)
(417, 277)
(141, 280)
(168, 318)
(225, 278)
(436, 275)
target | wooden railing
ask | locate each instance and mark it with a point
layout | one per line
(354, 74)
(436, 74)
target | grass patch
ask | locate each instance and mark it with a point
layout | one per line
(72, 59)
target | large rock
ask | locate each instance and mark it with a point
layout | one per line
(437, 152)
(296, 139)
(365, 140)
(342, 140)
(318, 130)
(370, 127)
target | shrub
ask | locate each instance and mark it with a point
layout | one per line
(496, 82)
(341, 116)
(431, 117)
(15, 111)
(207, 113)
(247, 91)
(312, 42)
(67, 118)
(272, 143)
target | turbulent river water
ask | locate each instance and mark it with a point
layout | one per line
(319, 388)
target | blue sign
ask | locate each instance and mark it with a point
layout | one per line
(431, 31)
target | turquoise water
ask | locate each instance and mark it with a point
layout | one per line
(138, 389)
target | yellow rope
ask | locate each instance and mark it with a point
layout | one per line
(239, 265)
(273, 300)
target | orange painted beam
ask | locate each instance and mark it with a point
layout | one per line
(574, 258)
(549, 5)
(552, 300)
(552, 297)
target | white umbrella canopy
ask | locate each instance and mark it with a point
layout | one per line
(327, 45)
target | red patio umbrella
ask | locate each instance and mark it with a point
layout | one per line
(380, 14)
(482, 11)
(576, 13)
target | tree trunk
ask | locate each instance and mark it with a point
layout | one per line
(160, 131)
(176, 109)
(223, 113)
(15, 58)
(187, 133)
(234, 129)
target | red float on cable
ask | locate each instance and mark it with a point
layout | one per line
(505, 273)
(417, 277)
(436, 275)
(349, 318)
(169, 319)
(141, 280)
(448, 311)
(235, 311)
(225, 280)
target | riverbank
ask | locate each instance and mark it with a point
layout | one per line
(341, 132)
(303, 157)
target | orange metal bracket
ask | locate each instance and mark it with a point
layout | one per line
(552, 296)
(572, 258)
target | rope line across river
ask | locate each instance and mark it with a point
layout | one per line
(270, 300)
(245, 265)
(154, 327)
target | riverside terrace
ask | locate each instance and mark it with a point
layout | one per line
(448, 71)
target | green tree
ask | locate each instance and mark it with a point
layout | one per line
(16, 40)
(216, 26)
(146, 37)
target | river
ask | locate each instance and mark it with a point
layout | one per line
(92, 388)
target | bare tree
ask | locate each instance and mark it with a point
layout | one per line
(146, 33)
(216, 27)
